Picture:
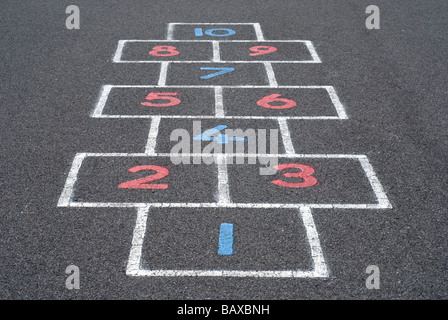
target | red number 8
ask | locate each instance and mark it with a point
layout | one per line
(169, 51)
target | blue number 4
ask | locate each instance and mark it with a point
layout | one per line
(221, 138)
(220, 71)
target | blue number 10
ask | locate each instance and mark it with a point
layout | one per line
(198, 32)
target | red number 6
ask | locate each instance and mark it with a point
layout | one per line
(264, 102)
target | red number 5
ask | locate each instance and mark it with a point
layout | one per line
(305, 174)
(161, 95)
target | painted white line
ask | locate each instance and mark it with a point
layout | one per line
(114, 116)
(221, 61)
(268, 155)
(320, 267)
(228, 273)
(336, 102)
(209, 41)
(223, 180)
(313, 52)
(67, 192)
(271, 74)
(216, 54)
(258, 32)
(135, 255)
(374, 182)
(226, 205)
(163, 73)
(213, 23)
(152, 136)
(119, 51)
(286, 137)
(219, 105)
(105, 91)
(170, 31)
(213, 86)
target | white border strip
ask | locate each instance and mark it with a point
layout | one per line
(271, 75)
(135, 255)
(119, 51)
(152, 136)
(312, 51)
(258, 32)
(67, 192)
(320, 267)
(219, 104)
(163, 73)
(216, 52)
(336, 102)
(223, 180)
(286, 137)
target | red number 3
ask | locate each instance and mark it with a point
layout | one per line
(305, 174)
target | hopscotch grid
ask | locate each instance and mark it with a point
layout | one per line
(319, 269)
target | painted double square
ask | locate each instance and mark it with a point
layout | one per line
(205, 51)
(238, 102)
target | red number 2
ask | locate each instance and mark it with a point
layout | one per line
(305, 174)
(164, 51)
(143, 183)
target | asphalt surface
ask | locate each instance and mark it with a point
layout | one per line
(392, 83)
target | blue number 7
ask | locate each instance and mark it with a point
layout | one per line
(221, 71)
